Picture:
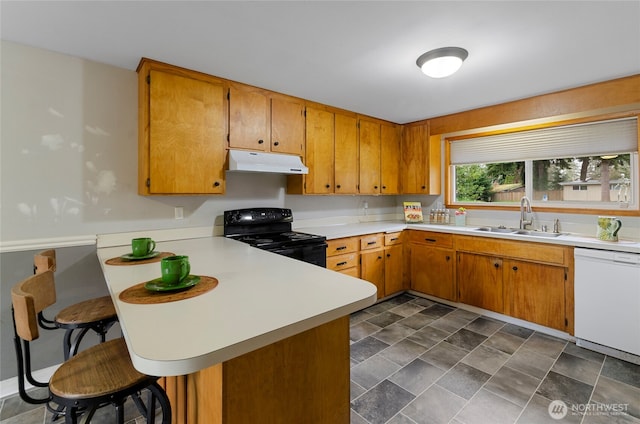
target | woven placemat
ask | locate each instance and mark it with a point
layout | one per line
(121, 261)
(139, 295)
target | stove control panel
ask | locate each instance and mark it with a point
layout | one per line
(257, 216)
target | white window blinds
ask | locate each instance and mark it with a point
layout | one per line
(592, 139)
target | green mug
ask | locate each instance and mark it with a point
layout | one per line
(175, 269)
(142, 246)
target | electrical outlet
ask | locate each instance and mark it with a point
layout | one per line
(178, 212)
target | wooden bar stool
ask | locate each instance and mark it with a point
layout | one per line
(98, 376)
(97, 314)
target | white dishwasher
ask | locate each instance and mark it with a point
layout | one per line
(607, 298)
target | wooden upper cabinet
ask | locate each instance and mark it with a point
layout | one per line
(263, 121)
(346, 154)
(248, 118)
(319, 151)
(287, 125)
(415, 160)
(182, 131)
(390, 157)
(369, 156)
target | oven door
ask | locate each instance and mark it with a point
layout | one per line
(314, 253)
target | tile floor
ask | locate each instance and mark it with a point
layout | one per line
(417, 361)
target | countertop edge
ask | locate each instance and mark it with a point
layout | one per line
(190, 365)
(332, 232)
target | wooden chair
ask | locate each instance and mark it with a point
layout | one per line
(98, 376)
(97, 314)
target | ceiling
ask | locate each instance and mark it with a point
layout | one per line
(357, 55)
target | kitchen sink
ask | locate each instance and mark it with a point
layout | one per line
(500, 229)
(504, 230)
(536, 233)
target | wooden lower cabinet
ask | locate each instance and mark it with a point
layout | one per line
(536, 293)
(529, 281)
(393, 269)
(433, 264)
(382, 262)
(432, 271)
(479, 279)
(378, 258)
(372, 268)
(303, 376)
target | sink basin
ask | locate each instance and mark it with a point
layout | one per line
(536, 233)
(515, 231)
(500, 229)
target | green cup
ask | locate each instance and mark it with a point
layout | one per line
(142, 246)
(175, 269)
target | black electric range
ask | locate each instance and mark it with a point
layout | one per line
(270, 229)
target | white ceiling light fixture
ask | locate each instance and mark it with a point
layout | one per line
(442, 62)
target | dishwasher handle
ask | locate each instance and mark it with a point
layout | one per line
(607, 255)
(626, 258)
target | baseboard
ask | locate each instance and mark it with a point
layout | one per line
(505, 318)
(606, 350)
(9, 387)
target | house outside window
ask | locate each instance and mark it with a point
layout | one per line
(584, 167)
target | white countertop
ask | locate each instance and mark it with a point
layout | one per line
(261, 298)
(349, 230)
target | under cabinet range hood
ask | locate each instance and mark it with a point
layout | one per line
(247, 161)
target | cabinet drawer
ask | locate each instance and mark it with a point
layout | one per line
(393, 238)
(431, 238)
(536, 252)
(340, 262)
(352, 272)
(372, 241)
(342, 245)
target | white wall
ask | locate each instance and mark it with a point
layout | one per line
(69, 158)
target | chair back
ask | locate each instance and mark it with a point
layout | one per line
(29, 298)
(45, 260)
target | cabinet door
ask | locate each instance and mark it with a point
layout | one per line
(372, 269)
(393, 278)
(248, 119)
(479, 279)
(415, 150)
(390, 156)
(346, 154)
(535, 293)
(319, 151)
(187, 131)
(432, 271)
(287, 125)
(369, 157)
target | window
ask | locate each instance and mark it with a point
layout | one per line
(583, 166)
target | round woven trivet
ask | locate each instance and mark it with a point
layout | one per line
(139, 295)
(121, 261)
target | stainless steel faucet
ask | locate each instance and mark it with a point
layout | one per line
(525, 207)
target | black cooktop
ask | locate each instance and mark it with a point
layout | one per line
(290, 238)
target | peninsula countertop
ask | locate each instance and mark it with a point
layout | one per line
(261, 298)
